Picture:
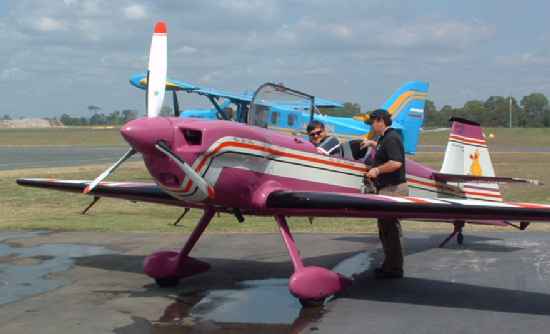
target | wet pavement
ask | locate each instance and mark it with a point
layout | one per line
(496, 281)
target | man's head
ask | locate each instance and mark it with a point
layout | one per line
(380, 119)
(316, 132)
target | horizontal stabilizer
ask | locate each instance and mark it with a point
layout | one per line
(483, 179)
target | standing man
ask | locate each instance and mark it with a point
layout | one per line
(325, 143)
(388, 175)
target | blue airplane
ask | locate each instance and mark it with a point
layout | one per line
(406, 106)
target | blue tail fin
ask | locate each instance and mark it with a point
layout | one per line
(407, 109)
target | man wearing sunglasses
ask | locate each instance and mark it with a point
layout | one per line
(326, 144)
(388, 175)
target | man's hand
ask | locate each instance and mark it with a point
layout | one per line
(373, 173)
(368, 143)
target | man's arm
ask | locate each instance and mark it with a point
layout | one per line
(388, 167)
(396, 157)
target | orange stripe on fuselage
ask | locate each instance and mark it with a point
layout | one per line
(274, 152)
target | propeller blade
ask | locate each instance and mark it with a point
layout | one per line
(109, 170)
(203, 186)
(158, 64)
(176, 104)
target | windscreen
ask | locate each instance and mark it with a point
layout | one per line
(276, 106)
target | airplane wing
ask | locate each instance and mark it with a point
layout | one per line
(133, 191)
(140, 81)
(325, 204)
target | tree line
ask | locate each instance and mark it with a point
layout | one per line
(98, 118)
(532, 110)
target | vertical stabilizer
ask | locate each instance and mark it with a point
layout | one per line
(406, 107)
(467, 154)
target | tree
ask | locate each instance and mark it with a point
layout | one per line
(535, 106)
(98, 119)
(6, 117)
(432, 117)
(350, 109)
(93, 109)
(128, 115)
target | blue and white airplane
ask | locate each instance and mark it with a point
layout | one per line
(406, 106)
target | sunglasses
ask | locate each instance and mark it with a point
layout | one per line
(315, 133)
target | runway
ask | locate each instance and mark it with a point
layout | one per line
(36, 157)
(495, 282)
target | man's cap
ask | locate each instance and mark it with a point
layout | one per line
(378, 114)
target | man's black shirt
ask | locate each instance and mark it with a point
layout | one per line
(390, 147)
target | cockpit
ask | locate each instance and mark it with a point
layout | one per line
(273, 104)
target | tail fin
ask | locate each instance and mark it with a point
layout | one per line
(407, 109)
(467, 154)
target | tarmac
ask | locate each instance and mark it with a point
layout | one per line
(92, 282)
(51, 156)
(34, 157)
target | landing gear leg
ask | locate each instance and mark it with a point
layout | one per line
(168, 267)
(96, 198)
(181, 217)
(457, 231)
(311, 285)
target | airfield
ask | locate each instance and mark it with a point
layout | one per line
(61, 271)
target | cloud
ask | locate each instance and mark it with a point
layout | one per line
(46, 24)
(525, 59)
(444, 34)
(13, 73)
(186, 50)
(135, 12)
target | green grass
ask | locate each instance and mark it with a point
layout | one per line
(89, 136)
(30, 208)
(515, 137)
(73, 136)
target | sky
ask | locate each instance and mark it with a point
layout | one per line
(60, 56)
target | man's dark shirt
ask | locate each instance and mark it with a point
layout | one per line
(390, 147)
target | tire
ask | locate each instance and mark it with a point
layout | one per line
(167, 282)
(312, 302)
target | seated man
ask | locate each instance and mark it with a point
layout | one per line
(318, 136)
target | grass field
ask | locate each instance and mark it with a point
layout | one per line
(29, 208)
(87, 136)
(70, 136)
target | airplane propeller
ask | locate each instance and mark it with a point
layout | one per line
(156, 87)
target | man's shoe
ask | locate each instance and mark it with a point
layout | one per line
(380, 273)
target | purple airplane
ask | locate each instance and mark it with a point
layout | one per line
(248, 169)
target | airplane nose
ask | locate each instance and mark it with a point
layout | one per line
(143, 133)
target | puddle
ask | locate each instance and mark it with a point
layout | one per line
(256, 306)
(25, 272)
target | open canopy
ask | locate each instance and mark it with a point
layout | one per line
(270, 97)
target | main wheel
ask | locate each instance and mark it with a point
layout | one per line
(312, 302)
(167, 282)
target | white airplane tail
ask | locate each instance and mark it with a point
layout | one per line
(467, 155)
